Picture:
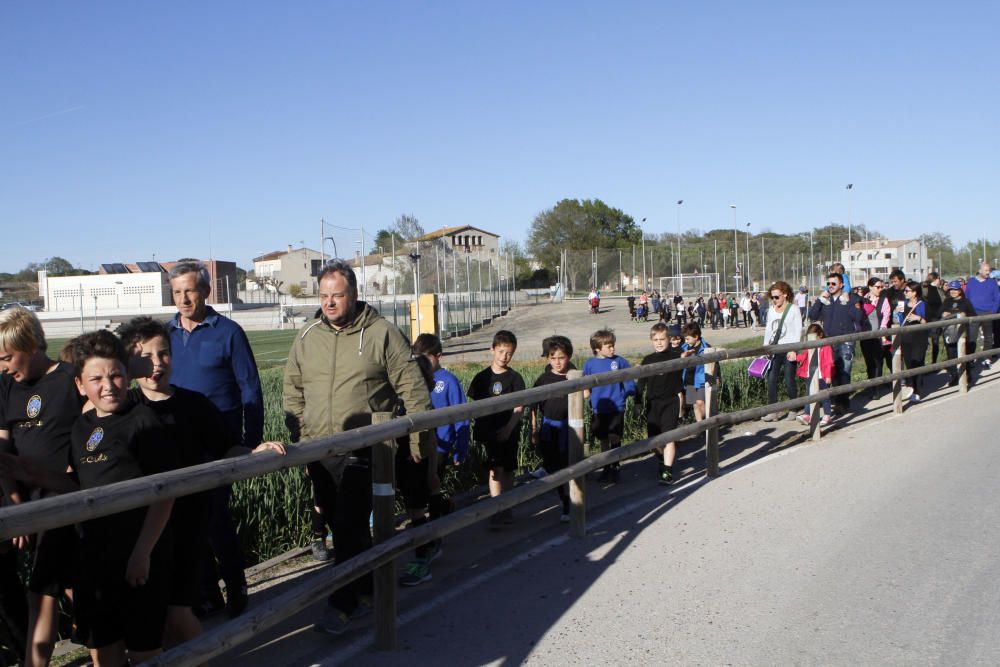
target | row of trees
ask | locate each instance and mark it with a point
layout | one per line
(595, 233)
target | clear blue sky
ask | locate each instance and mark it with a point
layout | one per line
(133, 128)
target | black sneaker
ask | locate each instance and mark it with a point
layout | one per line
(236, 602)
(666, 475)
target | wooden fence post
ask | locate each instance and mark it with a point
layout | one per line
(897, 367)
(384, 509)
(578, 486)
(711, 408)
(963, 369)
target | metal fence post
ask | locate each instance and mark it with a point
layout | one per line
(711, 407)
(577, 486)
(963, 369)
(897, 367)
(383, 507)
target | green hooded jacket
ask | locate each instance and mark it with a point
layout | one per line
(335, 380)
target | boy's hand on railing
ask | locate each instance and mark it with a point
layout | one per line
(270, 446)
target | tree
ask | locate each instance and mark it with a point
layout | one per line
(295, 290)
(384, 240)
(408, 227)
(584, 225)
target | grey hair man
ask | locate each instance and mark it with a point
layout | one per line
(212, 355)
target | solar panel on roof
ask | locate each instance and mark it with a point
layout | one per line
(149, 267)
(116, 267)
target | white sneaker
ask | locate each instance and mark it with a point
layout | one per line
(906, 392)
(915, 398)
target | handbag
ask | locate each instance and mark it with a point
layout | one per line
(759, 367)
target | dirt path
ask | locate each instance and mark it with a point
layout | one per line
(531, 324)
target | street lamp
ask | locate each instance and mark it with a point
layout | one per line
(644, 277)
(736, 249)
(746, 260)
(679, 202)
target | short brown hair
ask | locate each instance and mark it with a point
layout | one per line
(21, 331)
(101, 344)
(601, 338)
(427, 343)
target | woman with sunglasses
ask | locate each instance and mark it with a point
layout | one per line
(912, 310)
(878, 315)
(784, 325)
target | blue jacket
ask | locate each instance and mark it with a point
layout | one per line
(452, 438)
(215, 359)
(699, 371)
(838, 318)
(984, 295)
(608, 398)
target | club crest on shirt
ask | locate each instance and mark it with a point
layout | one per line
(34, 406)
(614, 365)
(439, 386)
(95, 439)
(497, 388)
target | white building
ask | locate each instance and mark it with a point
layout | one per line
(111, 291)
(464, 238)
(878, 258)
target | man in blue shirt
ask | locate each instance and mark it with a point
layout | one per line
(984, 295)
(211, 355)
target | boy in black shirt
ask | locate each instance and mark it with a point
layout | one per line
(499, 432)
(194, 424)
(663, 395)
(39, 403)
(549, 419)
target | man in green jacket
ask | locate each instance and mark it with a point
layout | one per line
(344, 365)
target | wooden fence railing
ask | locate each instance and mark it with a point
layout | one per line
(82, 505)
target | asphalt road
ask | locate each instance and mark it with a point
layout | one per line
(875, 546)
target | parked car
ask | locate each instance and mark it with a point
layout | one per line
(22, 304)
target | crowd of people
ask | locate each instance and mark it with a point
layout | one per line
(139, 581)
(898, 302)
(718, 311)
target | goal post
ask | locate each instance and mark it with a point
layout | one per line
(689, 284)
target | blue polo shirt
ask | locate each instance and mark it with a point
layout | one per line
(215, 359)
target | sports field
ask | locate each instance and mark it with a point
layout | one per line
(270, 348)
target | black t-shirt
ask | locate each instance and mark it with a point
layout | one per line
(192, 422)
(487, 384)
(554, 408)
(952, 306)
(125, 445)
(39, 416)
(661, 388)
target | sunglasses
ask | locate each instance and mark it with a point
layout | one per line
(833, 284)
(775, 297)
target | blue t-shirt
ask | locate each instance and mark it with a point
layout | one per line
(452, 438)
(608, 398)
